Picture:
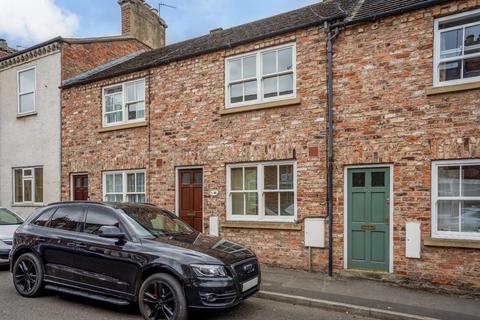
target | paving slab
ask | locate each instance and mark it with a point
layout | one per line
(368, 295)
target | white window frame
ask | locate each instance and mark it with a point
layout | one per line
(437, 47)
(19, 93)
(124, 104)
(261, 192)
(28, 178)
(435, 198)
(124, 192)
(260, 76)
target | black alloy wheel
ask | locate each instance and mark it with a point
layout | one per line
(27, 275)
(161, 298)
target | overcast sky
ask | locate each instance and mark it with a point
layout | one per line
(27, 22)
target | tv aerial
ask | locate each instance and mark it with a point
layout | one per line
(163, 4)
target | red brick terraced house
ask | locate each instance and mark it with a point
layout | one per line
(230, 131)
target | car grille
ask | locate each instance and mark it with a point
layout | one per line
(246, 270)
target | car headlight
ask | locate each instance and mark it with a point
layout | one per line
(209, 271)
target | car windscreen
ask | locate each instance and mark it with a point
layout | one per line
(155, 221)
(9, 218)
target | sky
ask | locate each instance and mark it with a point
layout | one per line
(24, 23)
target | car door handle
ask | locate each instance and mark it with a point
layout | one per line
(81, 245)
(41, 240)
(71, 244)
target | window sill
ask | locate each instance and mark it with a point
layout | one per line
(262, 225)
(430, 91)
(123, 126)
(453, 243)
(260, 106)
(30, 205)
(26, 114)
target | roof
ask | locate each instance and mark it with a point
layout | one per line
(373, 9)
(305, 17)
(351, 11)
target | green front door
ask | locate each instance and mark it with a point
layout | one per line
(368, 210)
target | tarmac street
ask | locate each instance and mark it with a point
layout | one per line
(53, 306)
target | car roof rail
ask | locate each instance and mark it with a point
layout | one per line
(76, 201)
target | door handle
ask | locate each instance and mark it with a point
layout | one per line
(41, 239)
(71, 244)
(81, 245)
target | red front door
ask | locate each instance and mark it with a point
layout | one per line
(191, 197)
(80, 187)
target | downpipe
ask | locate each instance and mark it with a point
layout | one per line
(332, 34)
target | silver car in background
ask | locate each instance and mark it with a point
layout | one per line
(9, 222)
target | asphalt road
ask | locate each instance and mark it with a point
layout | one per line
(53, 306)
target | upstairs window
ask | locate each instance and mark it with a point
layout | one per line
(457, 49)
(124, 103)
(26, 91)
(262, 76)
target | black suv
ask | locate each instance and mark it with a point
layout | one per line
(126, 253)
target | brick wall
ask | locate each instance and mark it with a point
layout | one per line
(186, 129)
(79, 57)
(383, 115)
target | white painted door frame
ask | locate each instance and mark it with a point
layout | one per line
(177, 188)
(345, 211)
(72, 187)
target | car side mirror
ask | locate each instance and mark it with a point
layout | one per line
(111, 232)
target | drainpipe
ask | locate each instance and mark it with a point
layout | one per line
(331, 36)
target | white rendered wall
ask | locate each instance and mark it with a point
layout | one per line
(33, 140)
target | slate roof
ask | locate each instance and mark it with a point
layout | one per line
(352, 11)
(372, 9)
(312, 15)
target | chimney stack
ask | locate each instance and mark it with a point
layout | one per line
(3, 44)
(142, 21)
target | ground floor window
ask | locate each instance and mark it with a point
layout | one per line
(124, 186)
(262, 191)
(456, 199)
(28, 185)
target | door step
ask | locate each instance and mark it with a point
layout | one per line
(85, 294)
(368, 274)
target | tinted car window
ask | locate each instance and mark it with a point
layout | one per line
(67, 218)
(44, 217)
(8, 218)
(98, 217)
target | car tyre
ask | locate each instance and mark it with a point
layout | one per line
(28, 275)
(161, 297)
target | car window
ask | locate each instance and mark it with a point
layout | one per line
(67, 218)
(98, 217)
(42, 220)
(8, 218)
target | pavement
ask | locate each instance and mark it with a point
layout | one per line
(363, 297)
(53, 306)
